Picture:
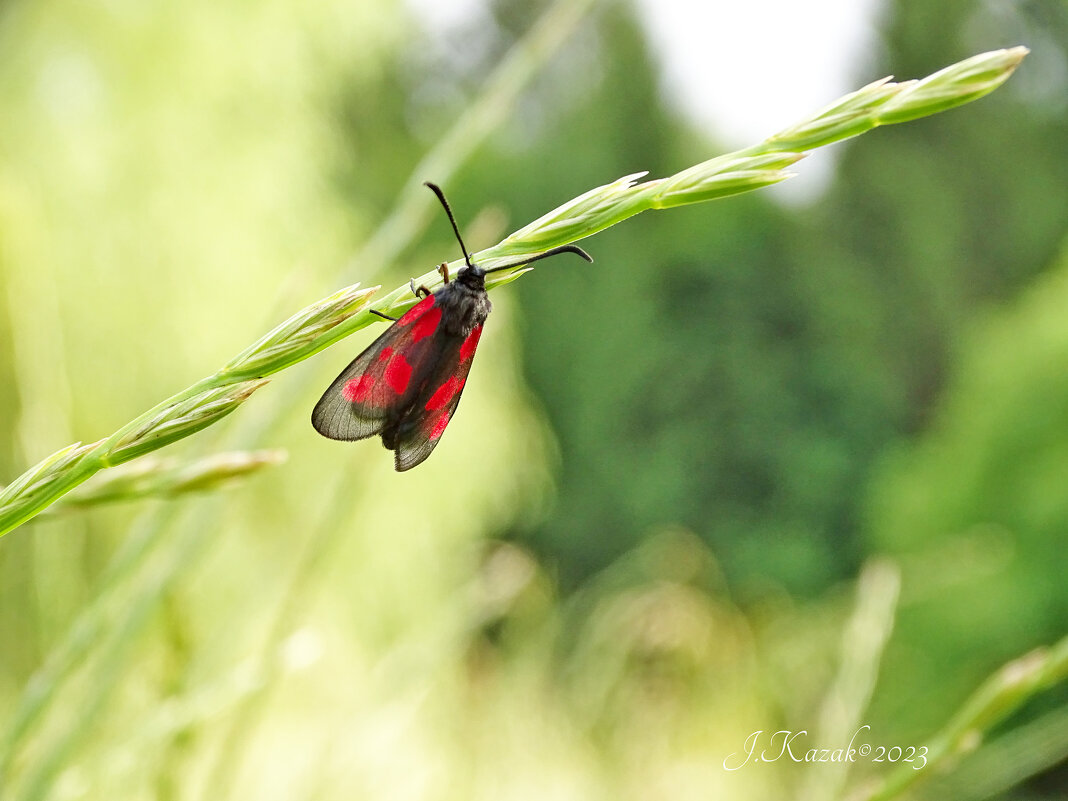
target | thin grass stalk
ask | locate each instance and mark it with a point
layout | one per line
(762, 165)
(591, 212)
(194, 408)
(322, 324)
(493, 105)
(395, 235)
(1025, 751)
(718, 178)
(317, 552)
(863, 643)
(409, 217)
(169, 719)
(998, 697)
(166, 478)
(123, 633)
(83, 635)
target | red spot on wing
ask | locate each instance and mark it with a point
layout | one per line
(467, 350)
(358, 389)
(445, 393)
(416, 311)
(426, 325)
(398, 373)
(385, 354)
(439, 427)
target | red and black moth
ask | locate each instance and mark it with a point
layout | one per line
(406, 385)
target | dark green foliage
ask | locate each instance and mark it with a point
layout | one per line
(739, 368)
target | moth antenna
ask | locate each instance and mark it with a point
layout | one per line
(554, 252)
(441, 196)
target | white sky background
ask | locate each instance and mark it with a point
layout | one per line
(743, 69)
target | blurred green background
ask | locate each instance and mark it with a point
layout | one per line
(640, 540)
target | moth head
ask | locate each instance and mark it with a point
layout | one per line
(473, 276)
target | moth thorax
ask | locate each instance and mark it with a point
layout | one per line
(463, 309)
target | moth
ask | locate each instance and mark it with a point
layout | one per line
(406, 385)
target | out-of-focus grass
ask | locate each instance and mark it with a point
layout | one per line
(167, 171)
(206, 150)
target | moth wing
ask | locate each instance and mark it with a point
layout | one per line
(421, 429)
(382, 381)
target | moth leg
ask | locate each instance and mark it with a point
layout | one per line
(419, 291)
(443, 268)
(383, 316)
